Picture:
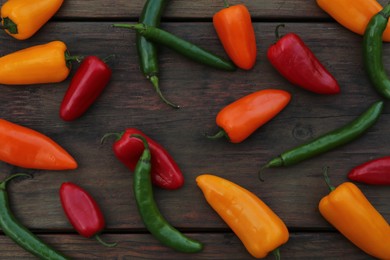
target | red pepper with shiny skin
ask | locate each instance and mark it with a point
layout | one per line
(376, 171)
(165, 172)
(293, 59)
(82, 211)
(86, 86)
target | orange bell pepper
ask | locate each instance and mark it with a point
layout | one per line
(256, 225)
(22, 19)
(46, 63)
(349, 211)
(235, 31)
(353, 14)
(27, 148)
(241, 118)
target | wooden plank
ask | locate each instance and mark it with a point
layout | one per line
(130, 101)
(216, 246)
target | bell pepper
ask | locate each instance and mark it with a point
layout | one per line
(350, 212)
(241, 118)
(353, 14)
(22, 19)
(235, 30)
(86, 86)
(82, 211)
(45, 63)
(165, 172)
(293, 59)
(255, 224)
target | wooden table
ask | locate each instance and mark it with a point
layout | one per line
(130, 101)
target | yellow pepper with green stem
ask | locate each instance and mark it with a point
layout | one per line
(256, 225)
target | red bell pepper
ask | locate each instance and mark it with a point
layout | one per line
(82, 211)
(86, 86)
(165, 172)
(297, 63)
(235, 30)
(375, 171)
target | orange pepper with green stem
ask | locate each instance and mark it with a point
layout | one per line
(350, 212)
(353, 14)
(241, 118)
(45, 63)
(22, 19)
(256, 225)
(235, 31)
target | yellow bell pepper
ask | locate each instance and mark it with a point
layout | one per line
(256, 225)
(353, 14)
(46, 63)
(349, 211)
(23, 18)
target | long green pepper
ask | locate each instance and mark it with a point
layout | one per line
(157, 225)
(329, 140)
(372, 51)
(147, 51)
(20, 234)
(180, 45)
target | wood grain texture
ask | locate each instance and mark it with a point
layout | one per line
(130, 101)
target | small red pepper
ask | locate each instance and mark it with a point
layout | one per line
(82, 211)
(375, 171)
(86, 86)
(297, 63)
(165, 172)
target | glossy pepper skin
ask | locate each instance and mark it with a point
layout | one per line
(241, 118)
(353, 14)
(27, 148)
(376, 172)
(22, 19)
(154, 221)
(86, 86)
(82, 211)
(45, 63)
(256, 225)
(293, 59)
(235, 30)
(349, 211)
(165, 172)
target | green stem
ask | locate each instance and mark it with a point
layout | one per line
(9, 25)
(226, 3)
(276, 253)
(154, 80)
(327, 179)
(105, 243)
(218, 135)
(277, 35)
(3, 184)
(137, 27)
(108, 58)
(118, 136)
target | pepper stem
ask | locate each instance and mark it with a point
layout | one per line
(276, 253)
(154, 80)
(137, 27)
(218, 135)
(98, 238)
(9, 25)
(327, 179)
(277, 35)
(226, 3)
(276, 162)
(118, 136)
(3, 184)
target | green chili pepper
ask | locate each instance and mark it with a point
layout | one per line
(147, 51)
(181, 46)
(17, 232)
(372, 52)
(329, 140)
(157, 225)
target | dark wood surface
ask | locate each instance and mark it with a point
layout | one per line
(130, 101)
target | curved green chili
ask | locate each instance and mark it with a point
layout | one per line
(157, 225)
(181, 46)
(20, 234)
(372, 52)
(329, 140)
(147, 51)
